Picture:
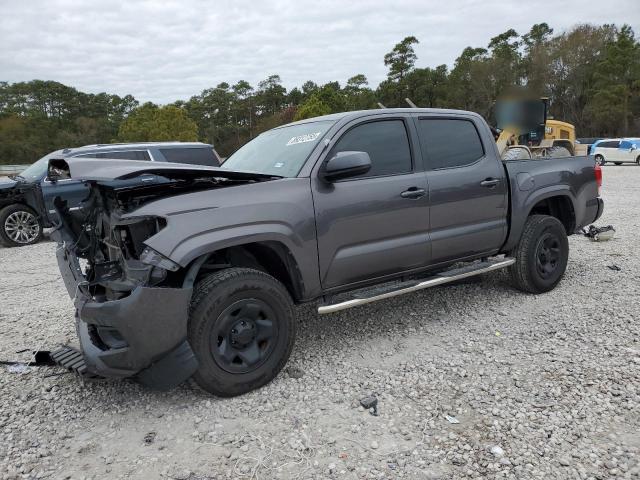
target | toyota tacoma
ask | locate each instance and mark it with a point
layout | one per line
(181, 271)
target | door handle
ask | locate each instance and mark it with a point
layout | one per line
(413, 192)
(490, 182)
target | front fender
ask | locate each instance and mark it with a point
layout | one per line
(204, 222)
(209, 241)
(303, 251)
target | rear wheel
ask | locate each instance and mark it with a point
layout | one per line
(638, 160)
(241, 328)
(541, 255)
(600, 160)
(19, 226)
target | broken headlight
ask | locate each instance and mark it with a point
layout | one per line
(151, 257)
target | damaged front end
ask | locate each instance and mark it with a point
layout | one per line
(131, 318)
(131, 301)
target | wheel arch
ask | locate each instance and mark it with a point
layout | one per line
(555, 202)
(270, 256)
(559, 206)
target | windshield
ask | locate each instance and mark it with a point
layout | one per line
(281, 151)
(38, 170)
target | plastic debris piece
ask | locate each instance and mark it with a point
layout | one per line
(451, 419)
(149, 438)
(371, 404)
(599, 234)
(19, 368)
(496, 451)
(615, 268)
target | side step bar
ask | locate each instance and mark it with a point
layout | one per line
(415, 285)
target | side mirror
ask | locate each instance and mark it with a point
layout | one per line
(345, 165)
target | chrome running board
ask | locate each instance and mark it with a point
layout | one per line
(441, 278)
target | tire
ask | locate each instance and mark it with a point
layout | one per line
(241, 329)
(618, 163)
(20, 226)
(558, 152)
(600, 160)
(516, 154)
(638, 161)
(541, 255)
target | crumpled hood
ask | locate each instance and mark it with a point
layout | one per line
(106, 170)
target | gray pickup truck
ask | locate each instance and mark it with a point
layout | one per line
(196, 276)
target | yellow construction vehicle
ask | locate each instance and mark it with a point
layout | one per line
(525, 131)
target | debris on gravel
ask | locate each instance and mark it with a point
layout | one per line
(542, 387)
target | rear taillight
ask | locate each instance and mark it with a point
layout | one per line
(598, 172)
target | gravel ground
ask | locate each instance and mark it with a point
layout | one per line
(541, 386)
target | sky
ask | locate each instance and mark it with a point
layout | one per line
(162, 51)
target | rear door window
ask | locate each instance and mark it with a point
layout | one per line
(449, 143)
(192, 156)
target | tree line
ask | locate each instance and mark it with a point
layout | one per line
(590, 73)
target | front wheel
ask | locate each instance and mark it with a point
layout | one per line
(19, 226)
(241, 328)
(541, 255)
(600, 160)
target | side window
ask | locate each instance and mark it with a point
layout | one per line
(385, 141)
(126, 155)
(192, 156)
(120, 155)
(449, 143)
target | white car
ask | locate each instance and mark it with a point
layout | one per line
(617, 150)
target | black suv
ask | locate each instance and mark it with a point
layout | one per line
(23, 209)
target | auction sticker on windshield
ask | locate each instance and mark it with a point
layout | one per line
(309, 137)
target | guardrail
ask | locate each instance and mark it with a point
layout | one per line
(11, 169)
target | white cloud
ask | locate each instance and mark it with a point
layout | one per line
(167, 50)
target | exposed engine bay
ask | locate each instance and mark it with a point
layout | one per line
(104, 233)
